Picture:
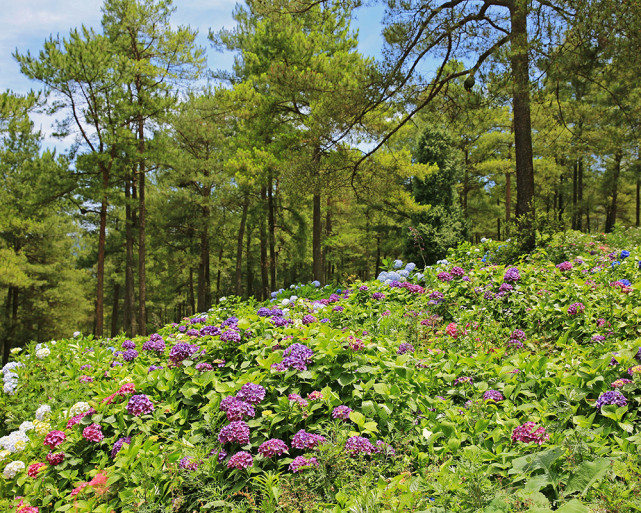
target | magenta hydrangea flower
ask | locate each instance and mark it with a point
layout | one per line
(54, 439)
(235, 432)
(457, 271)
(240, 460)
(139, 405)
(182, 351)
(93, 433)
(118, 445)
(316, 395)
(273, 447)
(620, 383)
(341, 412)
(85, 379)
(236, 409)
(444, 276)
(528, 432)
(378, 295)
(55, 458)
(304, 440)
(251, 393)
(564, 266)
(576, 308)
(302, 463)
(356, 445)
(297, 399)
(155, 343)
(382, 447)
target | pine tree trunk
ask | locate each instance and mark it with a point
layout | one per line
(328, 233)
(272, 233)
(508, 202)
(129, 312)
(579, 194)
(220, 266)
(317, 256)
(239, 249)
(611, 212)
(204, 285)
(522, 122)
(13, 325)
(264, 264)
(190, 293)
(250, 264)
(142, 223)
(114, 310)
(100, 273)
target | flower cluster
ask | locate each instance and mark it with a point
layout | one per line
(272, 447)
(341, 412)
(139, 405)
(356, 445)
(188, 463)
(301, 463)
(155, 343)
(235, 432)
(93, 433)
(33, 470)
(295, 398)
(528, 432)
(304, 440)
(182, 351)
(564, 266)
(576, 308)
(231, 335)
(511, 275)
(128, 344)
(118, 445)
(235, 409)
(405, 347)
(54, 439)
(241, 460)
(493, 395)
(12, 469)
(611, 397)
(297, 356)
(251, 393)
(55, 458)
(620, 383)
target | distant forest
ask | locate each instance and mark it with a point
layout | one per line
(308, 161)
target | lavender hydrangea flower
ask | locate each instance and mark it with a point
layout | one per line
(528, 432)
(493, 395)
(309, 319)
(155, 343)
(128, 344)
(263, 312)
(272, 447)
(118, 445)
(611, 397)
(154, 368)
(378, 295)
(511, 275)
(235, 432)
(297, 356)
(182, 351)
(240, 460)
(230, 335)
(130, 355)
(405, 347)
(301, 463)
(139, 405)
(564, 266)
(304, 440)
(209, 331)
(576, 308)
(188, 463)
(356, 445)
(341, 412)
(251, 393)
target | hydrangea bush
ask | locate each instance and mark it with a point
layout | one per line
(467, 386)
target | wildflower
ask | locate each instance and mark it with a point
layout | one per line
(341, 412)
(576, 308)
(93, 433)
(139, 405)
(356, 445)
(304, 440)
(240, 460)
(528, 432)
(273, 447)
(54, 439)
(301, 463)
(235, 432)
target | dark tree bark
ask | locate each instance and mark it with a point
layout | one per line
(575, 195)
(522, 121)
(142, 224)
(129, 308)
(272, 232)
(579, 193)
(115, 310)
(204, 284)
(611, 210)
(220, 266)
(191, 300)
(239, 249)
(250, 266)
(14, 294)
(100, 272)
(638, 202)
(317, 255)
(264, 264)
(508, 202)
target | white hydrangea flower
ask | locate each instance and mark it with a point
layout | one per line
(43, 412)
(284, 302)
(13, 468)
(4, 454)
(16, 350)
(14, 442)
(76, 334)
(78, 408)
(27, 425)
(43, 353)
(41, 427)
(10, 388)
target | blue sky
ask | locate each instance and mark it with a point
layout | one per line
(25, 24)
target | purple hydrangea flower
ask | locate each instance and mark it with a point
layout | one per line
(363, 288)
(237, 409)
(405, 347)
(188, 463)
(130, 355)
(611, 397)
(230, 335)
(528, 432)
(378, 295)
(356, 445)
(273, 447)
(564, 266)
(309, 319)
(493, 395)
(231, 322)
(193, 332)
(240, 460)
(204, 367)
(154, 367)
(182, 351)
(209, 331)
(263, 312)
(155, 343)
(118, 445)
(511, 275)
(304, 440)
(457, 271)
(576, 308)
(235, 432)
(139, 405)
(518, 335)
(297, 356)
(505, 287)
(444, 276)
(301, 463)
(128, 344)
(341, 412)
(251, 393)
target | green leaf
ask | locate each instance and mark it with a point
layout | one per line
(357, 418)
(574, 506)
(244, 324)
(586, 474)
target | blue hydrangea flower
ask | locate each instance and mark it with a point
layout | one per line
(410, 267)
(316, 283)
(398, 264)
(624, 254)
(627, 283)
